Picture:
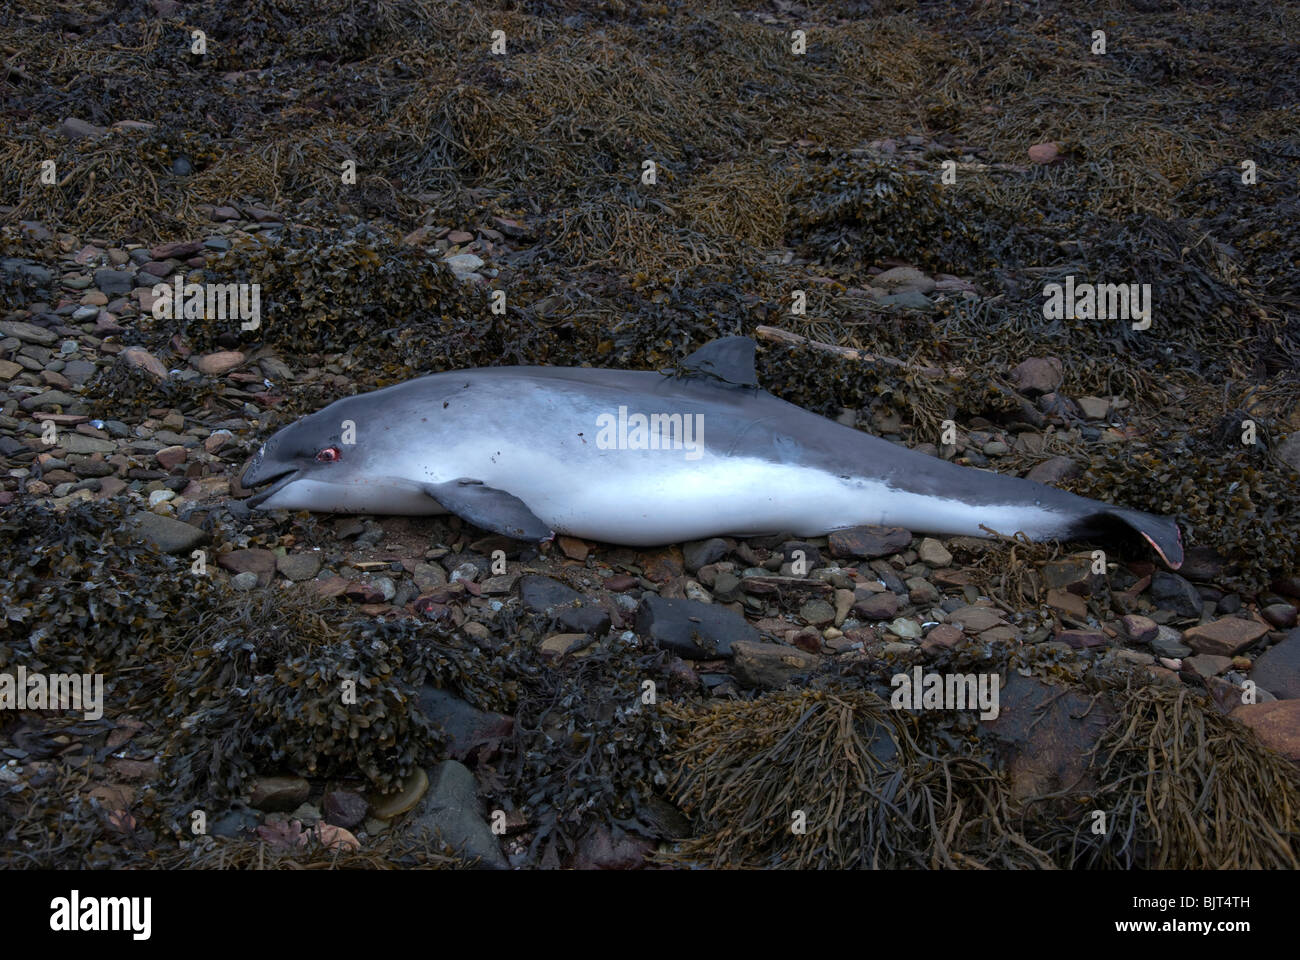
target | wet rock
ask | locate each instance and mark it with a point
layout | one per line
(1172, 592)
(1043, 735)
(1280, 615)
(868, 542)
(770, 665)
(298, 567)
(28, 332)
(700, 553)
(1038, 375)
(1277, 725)
(543, 595)
(692, 629)
(469, 733)
(388, 806)
(451, 814)
(1278, 669)
(167, 535)
(272, 794)
(345, 808)
(1226, 637)
(941, 636)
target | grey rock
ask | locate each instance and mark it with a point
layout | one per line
(1172, 592)
(1168, 642)
(692, 629)
(450, 813)
(1278, 670)
(467, 730)
(167, 535)
(700, 553)
(243, 582)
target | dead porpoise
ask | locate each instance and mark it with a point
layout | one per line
(645, 458)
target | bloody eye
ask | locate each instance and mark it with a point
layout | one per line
(329, 455)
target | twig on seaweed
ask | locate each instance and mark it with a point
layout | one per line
(777, 335)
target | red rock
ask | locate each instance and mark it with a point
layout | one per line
(216, 364)
(1082, 639)
(941, 636)
(1277, 725)
(1226, 637)
(662, 565)
(459, 236)
(1068, 603)
(1047, 152)
(141, 359)
(868, 542)
(621, 582)
(260, 562)
(169, 458)
(1039, 375)
(176, 250)
(1140, 629)
(573, 548)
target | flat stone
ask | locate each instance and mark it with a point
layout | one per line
(692, 629)
(1208, 665)
(1094, 408)
(298, 567)
(114, 282)
(283, 794)
(1068, 603)
(81, 444)
(903, 278)
(562, 644)
(1226, 637)
(1053, 470)
(28, 332)
(1277, 725)
(217, 364)
(167, 535)
(868, 542)
(260, 562)
(1278, 669)
(770, 665)
(169, 458)
(139, 358)
(877, 606)
(974, 619)
(1168, 642)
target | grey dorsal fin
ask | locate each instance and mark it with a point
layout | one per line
(489, 508)
(730, 359)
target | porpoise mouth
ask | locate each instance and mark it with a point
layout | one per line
(277, 482)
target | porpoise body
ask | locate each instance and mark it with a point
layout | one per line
(645, 458)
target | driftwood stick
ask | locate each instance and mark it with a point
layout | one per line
(777, 335)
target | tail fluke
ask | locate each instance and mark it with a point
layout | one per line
(1161, 532)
